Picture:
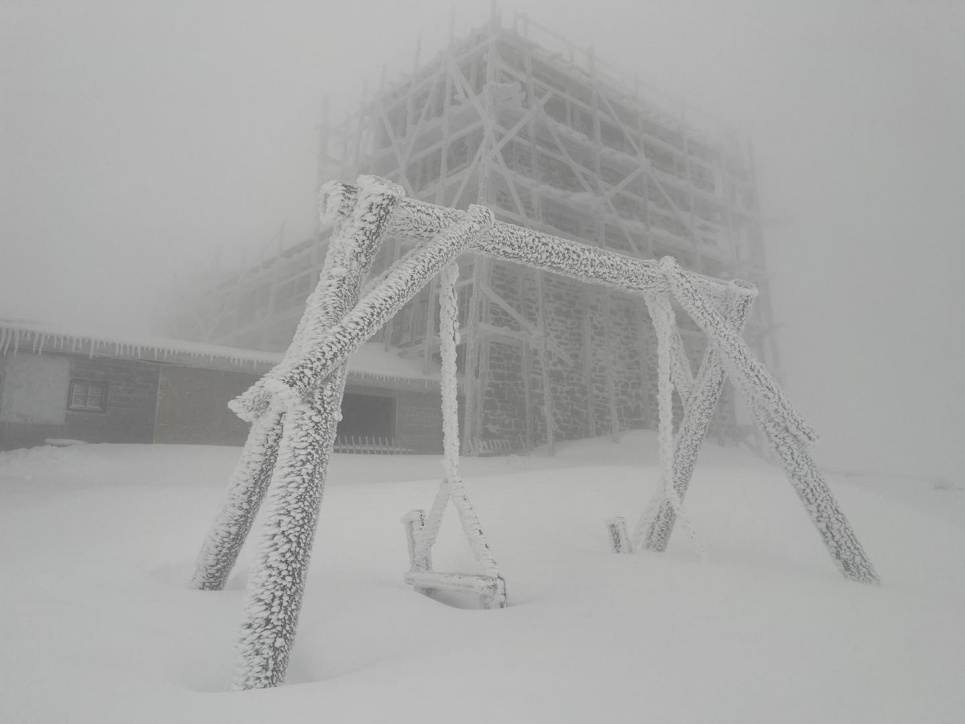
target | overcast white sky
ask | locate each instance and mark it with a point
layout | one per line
(137, 137)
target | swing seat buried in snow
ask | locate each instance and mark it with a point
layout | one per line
(491, 589)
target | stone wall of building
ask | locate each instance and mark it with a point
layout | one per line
(418, 420)
(36, 404)
(193, 406)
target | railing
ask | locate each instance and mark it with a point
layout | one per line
(492, 448)
(369, 445)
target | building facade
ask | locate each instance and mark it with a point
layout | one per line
(552, 139)
(59, 387)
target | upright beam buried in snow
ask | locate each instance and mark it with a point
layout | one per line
(784, 429)
(832, 524)
(657, 523)
(307, 433)
(252, 474)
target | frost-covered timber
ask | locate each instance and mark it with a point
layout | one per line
(246, 490)
(656, 524)
(781, 424)
(330, 349)
(504, 241)
(832, 524)
(742, 367)
(448, 342)
(537, 250)
(306, 390)
(422, 530)
(291, 447)
(277, 579)
(275, 587)
(250, 479)
(661, 312)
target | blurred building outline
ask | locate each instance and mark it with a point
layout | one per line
(552, 138)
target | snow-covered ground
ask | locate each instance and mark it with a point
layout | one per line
(97, 543)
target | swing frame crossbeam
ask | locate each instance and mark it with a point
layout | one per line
(294, 409)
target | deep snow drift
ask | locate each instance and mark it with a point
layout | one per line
(97, 543)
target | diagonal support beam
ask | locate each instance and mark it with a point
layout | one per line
(291, 383)
(832, 524)
(523, 322)
(779, 422)
(251, 476)
(657, 523)
(683, 376)
(277, 579)
(750, 376)
(295, 377)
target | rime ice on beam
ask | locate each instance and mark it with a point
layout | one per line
(325, 353)
(655, 526)
(742, 367)
(661, 312)
(252, 474)
(785, 429)
(275, 587)
(422, 530)
(306, 391)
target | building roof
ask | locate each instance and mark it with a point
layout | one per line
(372, 363)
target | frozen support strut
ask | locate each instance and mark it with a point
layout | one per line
(310, 418)
(250, 478)
(277, 580)
(655, 526)
(783, 427)
(295, 408)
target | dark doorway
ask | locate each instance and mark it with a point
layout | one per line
(367, 415)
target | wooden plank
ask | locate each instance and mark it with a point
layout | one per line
(588, 363)
(610, 383)
(526, 324)
(430, 315)
(544, 363)
(528, 394)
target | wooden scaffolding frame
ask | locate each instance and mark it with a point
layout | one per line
(551, 138)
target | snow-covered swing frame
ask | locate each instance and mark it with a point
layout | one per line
(294, 409)
(421, 530)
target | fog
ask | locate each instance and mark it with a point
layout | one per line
(142, 140)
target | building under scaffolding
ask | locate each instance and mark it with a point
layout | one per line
(550, 138)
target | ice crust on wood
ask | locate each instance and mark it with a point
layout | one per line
(661, 312)
(324, 352)
(423, 530)
(250, 479)
(656, 524)
(302, 397)
(275, 588)
(246, 490)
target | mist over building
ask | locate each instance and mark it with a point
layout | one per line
(551, 138)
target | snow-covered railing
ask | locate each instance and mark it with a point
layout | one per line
(369, 445)
(294, 409)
